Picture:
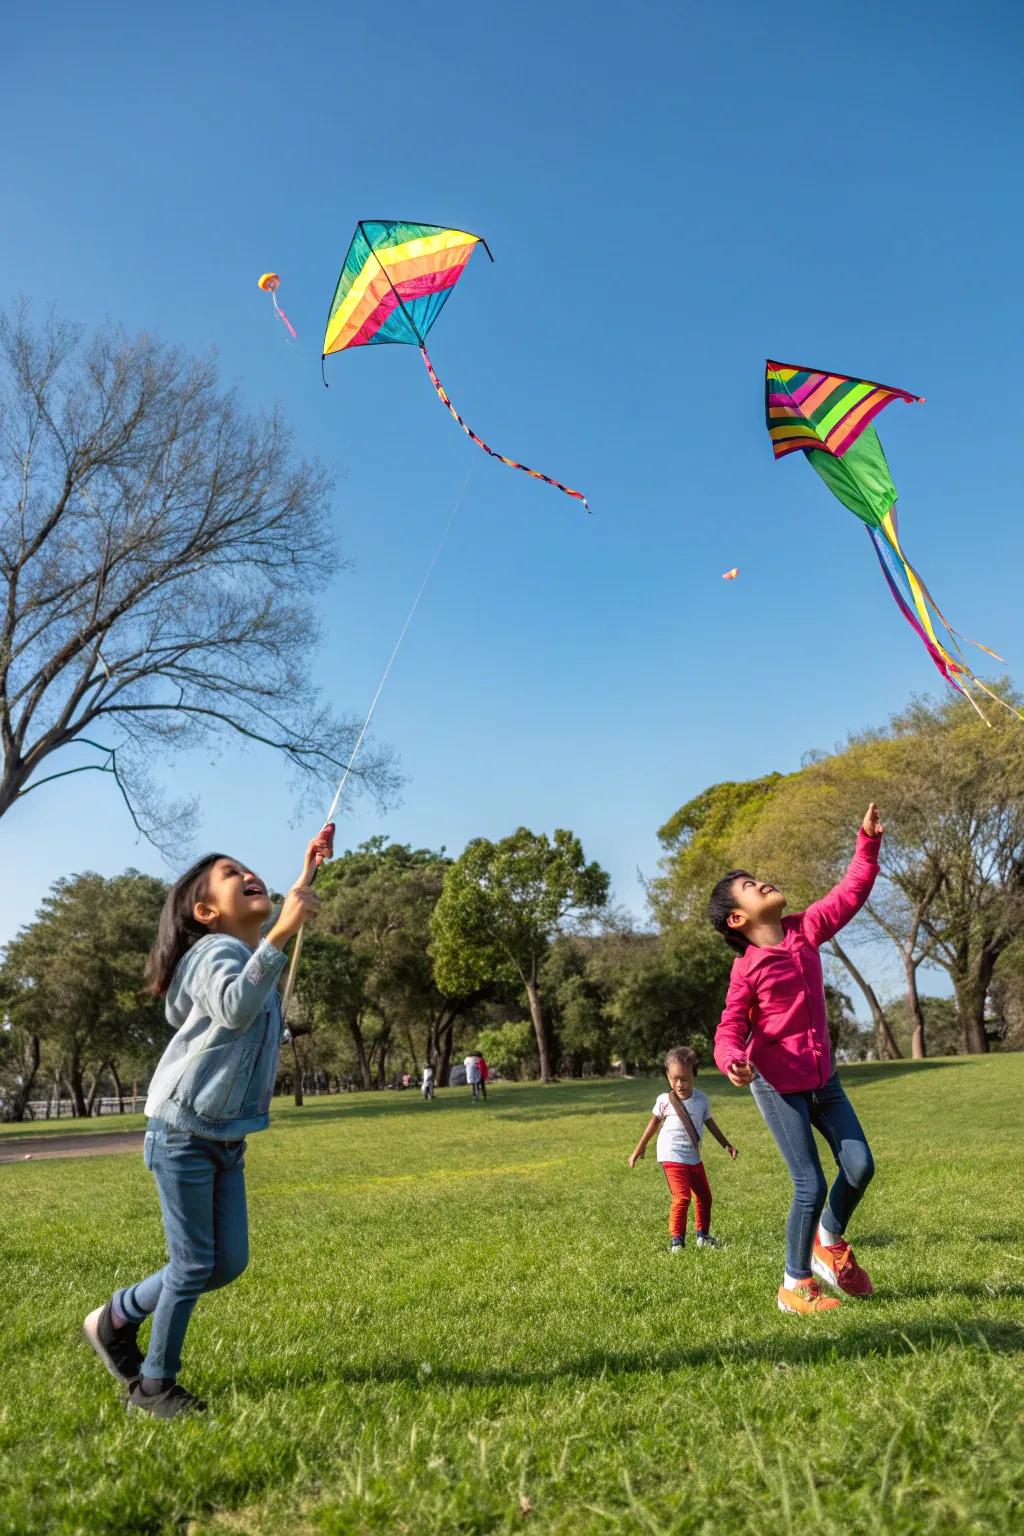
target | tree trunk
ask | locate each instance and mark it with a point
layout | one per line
(918, 1043)
(365, 1071)
(446, 1035)
(971, 997)
(885, 1040)
(412, 1051)
(77, 1089)
(15, 776)
(117, 1088)
(28, 1077)
(298, 1074)
(91, 1100)
(539, 1030)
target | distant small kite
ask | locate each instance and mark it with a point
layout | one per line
(270, 283)
(731, 575)
(395, 281)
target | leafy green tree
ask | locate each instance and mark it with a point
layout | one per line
(510, 1049)
(664, 989)
(370, 970)
(952, 860)
(501, 907)
(701, 842)
(944, 1032)
(1007, 999)
(73, 977)
(576, 1001)
(20, 1054)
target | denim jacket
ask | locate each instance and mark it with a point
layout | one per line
(217, 1075)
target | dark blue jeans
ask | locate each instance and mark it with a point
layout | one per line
(792, 1119)
(202, 1193)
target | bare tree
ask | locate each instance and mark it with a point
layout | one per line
(159, 550)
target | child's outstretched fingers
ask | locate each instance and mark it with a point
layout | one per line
(734, 1153)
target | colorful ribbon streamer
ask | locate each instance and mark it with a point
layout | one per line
(512, 463)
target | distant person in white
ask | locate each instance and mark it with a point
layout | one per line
(427, 1086)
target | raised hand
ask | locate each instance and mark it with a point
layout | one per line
(321, 848)
(300, 904)
(872, 821)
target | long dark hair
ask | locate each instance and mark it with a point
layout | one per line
(178, 929)
(721, 904)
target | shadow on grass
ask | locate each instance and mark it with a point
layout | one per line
(879, 1340)
(881, 1071)
(554, 1101)
(561, 1100)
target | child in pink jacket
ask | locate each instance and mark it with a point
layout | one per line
(774, 1035)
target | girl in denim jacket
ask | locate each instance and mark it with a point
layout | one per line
(211, 1088)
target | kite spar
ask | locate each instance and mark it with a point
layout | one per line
(396, 280)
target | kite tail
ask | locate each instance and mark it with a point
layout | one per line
(284, 318)
(898, 573)
(512, 464)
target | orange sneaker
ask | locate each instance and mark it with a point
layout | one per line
(837, 1266)
(806, 1297)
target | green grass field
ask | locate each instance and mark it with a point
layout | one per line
(464, 1319)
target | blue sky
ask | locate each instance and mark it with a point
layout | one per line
(671, 193)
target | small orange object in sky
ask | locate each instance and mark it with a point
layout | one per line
(731, 575)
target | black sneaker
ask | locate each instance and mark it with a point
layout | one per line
(118, 1348)
(164, 1405)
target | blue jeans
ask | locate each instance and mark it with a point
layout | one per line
(202, 1193)
(790, 1118)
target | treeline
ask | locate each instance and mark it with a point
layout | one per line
(514, 948)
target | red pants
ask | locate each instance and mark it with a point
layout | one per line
(684, 1180)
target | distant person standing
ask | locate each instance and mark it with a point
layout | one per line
(472, 1066)
(485, 1073)
(427, 1086)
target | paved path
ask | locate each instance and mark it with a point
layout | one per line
(18, 1149)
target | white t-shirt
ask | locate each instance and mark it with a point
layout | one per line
(674, 1144)
(472, 1065)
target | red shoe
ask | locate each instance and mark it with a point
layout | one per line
(806, 1297)
(836, 1265)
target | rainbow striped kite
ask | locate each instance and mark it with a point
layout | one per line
(395, 282)
(828, 417)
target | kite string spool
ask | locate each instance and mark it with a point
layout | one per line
(289, 985)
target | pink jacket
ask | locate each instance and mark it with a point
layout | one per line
(774, 1012)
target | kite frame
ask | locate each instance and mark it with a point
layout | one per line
(771, 362)
(361, 227)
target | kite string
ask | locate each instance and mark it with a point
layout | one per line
(397, 647)
(289, 985)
